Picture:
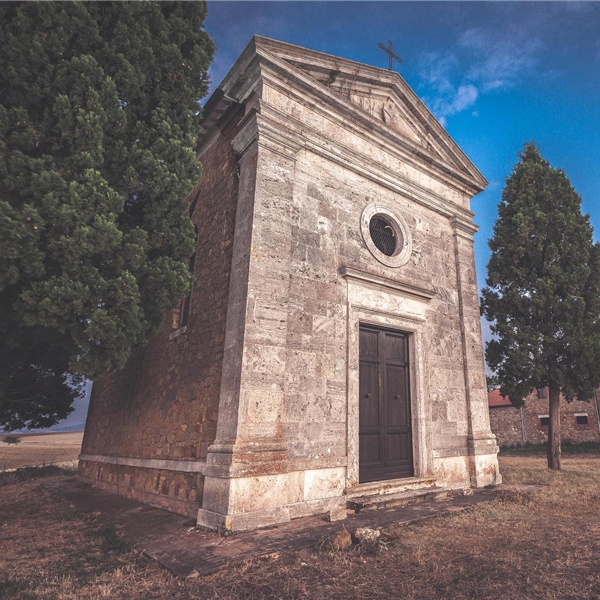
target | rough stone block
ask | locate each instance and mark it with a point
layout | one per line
(337, 514)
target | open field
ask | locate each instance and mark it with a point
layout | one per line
(522, 546)
(40, 449)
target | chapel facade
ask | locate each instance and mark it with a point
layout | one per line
(331, 345)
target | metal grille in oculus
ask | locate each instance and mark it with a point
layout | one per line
(383, 236)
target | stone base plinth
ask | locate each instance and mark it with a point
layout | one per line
(483, 460)
(241, 503)
(243, 522)
(484, 470)
(468, 470)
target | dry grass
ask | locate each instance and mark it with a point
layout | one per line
(41, 449)
(568, 449)
(521, 546)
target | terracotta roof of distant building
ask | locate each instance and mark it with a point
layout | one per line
(495, 399)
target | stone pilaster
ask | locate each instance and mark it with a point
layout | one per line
(247, 473)
(482, 448)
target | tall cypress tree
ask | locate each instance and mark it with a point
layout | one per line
(99, 123)
(543, 292)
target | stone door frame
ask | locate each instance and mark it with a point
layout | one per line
(384, 472)
(368, 304)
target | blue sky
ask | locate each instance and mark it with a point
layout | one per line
(496, 74)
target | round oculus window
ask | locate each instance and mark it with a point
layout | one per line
(386, 235)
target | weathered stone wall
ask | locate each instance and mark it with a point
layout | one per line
(163, 404)
(511, 428)
(327, 236)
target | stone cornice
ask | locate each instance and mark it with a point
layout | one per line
(254, 129)
(184, 466)
(409, 289)
(281, 138)
(361, 308)
(247, 134)
(374, 80)
(350, 116)
(464, 227)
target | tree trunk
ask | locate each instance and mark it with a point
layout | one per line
(554, 427)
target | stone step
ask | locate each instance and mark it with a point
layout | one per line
(385, 501)
(390, 486)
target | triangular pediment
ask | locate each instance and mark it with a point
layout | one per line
(380, 101)
(382, 97)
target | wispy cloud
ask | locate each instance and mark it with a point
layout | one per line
(501, 59)
(483, 60)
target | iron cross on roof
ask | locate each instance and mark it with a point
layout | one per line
(390, 52)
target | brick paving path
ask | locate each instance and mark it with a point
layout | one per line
(185, 550)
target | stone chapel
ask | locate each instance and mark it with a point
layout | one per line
(330, 346)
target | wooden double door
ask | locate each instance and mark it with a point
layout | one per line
(385, 436)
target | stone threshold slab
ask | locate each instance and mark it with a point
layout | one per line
(387, 501)
(390, 486)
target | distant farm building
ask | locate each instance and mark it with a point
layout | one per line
(529, 424)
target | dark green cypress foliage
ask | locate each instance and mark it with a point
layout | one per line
(99, 122)
(543, 291)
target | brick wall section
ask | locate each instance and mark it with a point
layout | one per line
(506, 422)
(163, 404)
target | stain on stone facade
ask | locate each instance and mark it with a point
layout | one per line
(258, 400)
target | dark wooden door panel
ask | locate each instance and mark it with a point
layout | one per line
(385, 437)
(369, 453)
(399, 447)
(396, 401)
(369, 395)
(369, 344)
(395, 347)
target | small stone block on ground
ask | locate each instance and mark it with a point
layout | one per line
(337, 514)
